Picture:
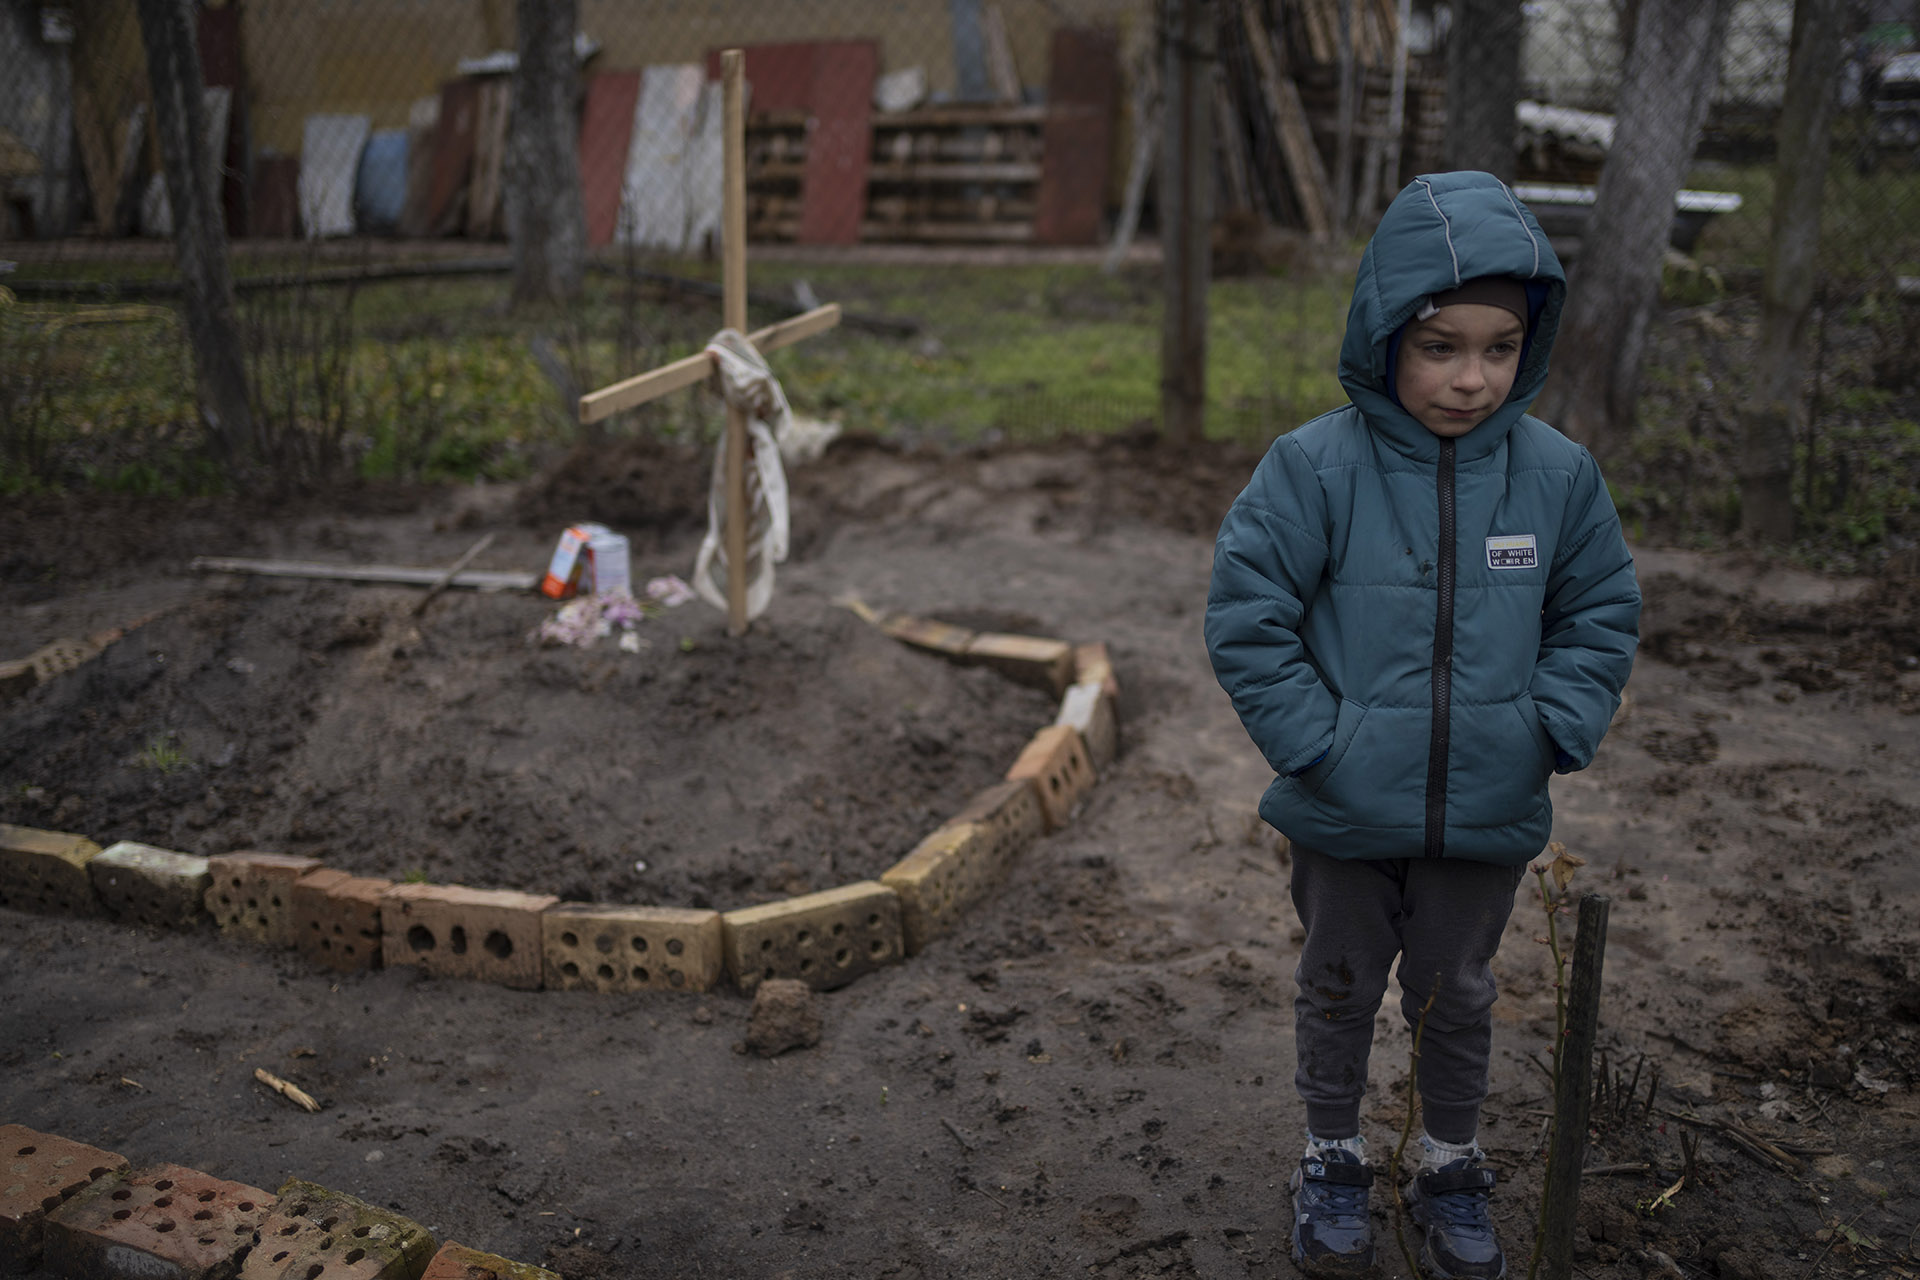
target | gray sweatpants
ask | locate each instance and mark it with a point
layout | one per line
(1443, 918)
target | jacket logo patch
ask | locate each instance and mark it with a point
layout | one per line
(1512, 551)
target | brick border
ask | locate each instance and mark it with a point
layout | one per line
(824, 939)
(81, 1212)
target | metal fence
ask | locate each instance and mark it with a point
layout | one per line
(890, 137)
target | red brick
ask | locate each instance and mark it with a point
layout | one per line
(1056, 761)
(252, 894)
(592, 947)
(1092, 662)
(946, 873)
(825, 940)
(39, 1171)
(1011, 812)
(46, 871)
(162, 1221)
(336, 919)
(321, 1234)
(1034, 660)
(451, 931)
(457, 1262)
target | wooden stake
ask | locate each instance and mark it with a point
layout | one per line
(733, 245)
(688, 370)
(453, 571)
(1574, 1091)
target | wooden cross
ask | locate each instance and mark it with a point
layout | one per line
(685, 372)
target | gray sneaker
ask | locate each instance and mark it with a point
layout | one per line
(1332, 1234)
(1450, 1205)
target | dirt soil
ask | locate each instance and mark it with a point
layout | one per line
(1093, 1075)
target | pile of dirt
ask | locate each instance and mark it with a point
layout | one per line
(328, 720)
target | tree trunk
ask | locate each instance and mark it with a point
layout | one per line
(1185, 206)
(1777, 409)
(200, 233)
(1670, 75)
(1483, 86)
(546, 214)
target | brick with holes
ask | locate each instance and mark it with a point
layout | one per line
(316, 1232)
(336, 919)
(39, 1172)
(160, 1221)
(251, 895)
(458, 1262)
(1055, 760)
(588, 946)
(825, 940)
(1011, 813)
(46, 871)
(451, 931)
(948, 872)
(141, 884)
(1092, 662)
(1089, 710)
(1034, 660)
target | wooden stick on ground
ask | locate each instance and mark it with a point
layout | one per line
(291, 1092)
(440, 584)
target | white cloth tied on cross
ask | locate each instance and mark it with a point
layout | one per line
(750, 387)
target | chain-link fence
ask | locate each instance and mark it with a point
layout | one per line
(953, 171)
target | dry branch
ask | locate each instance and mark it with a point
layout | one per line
(291, 1092)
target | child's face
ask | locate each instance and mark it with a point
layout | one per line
(1457, 366)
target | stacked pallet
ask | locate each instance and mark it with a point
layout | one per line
(961, 172)
(984, 172)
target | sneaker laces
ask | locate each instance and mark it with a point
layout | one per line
(1343, 1204)
(1460, 1210)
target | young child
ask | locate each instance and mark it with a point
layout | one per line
(1422, 607)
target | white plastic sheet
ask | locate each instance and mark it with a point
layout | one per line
(671, 192)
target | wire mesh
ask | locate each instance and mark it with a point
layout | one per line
(960, 167)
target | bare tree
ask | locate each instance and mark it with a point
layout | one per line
(200, 232)
(1777, 408)
(1185, 207)
(1483, 85)
(1671, 70)
(546, 214)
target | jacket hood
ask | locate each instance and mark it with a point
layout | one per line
(1441, 231)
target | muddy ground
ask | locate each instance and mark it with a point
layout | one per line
(1093, 1075)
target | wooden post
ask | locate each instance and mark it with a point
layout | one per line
(1343, 135)
(1186, 216)
(733, 245)
(1573, 1092)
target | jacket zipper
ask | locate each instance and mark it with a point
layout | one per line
(1437, 748)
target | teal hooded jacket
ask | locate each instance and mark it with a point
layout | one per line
(1417, 632)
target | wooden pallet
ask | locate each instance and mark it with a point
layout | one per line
(954, 173)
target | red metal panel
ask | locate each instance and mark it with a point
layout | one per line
(452, 156)
(276, 182)
(1082, 85)
(779, 76)
(606, 129)
(222, 66)
(833, 190)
